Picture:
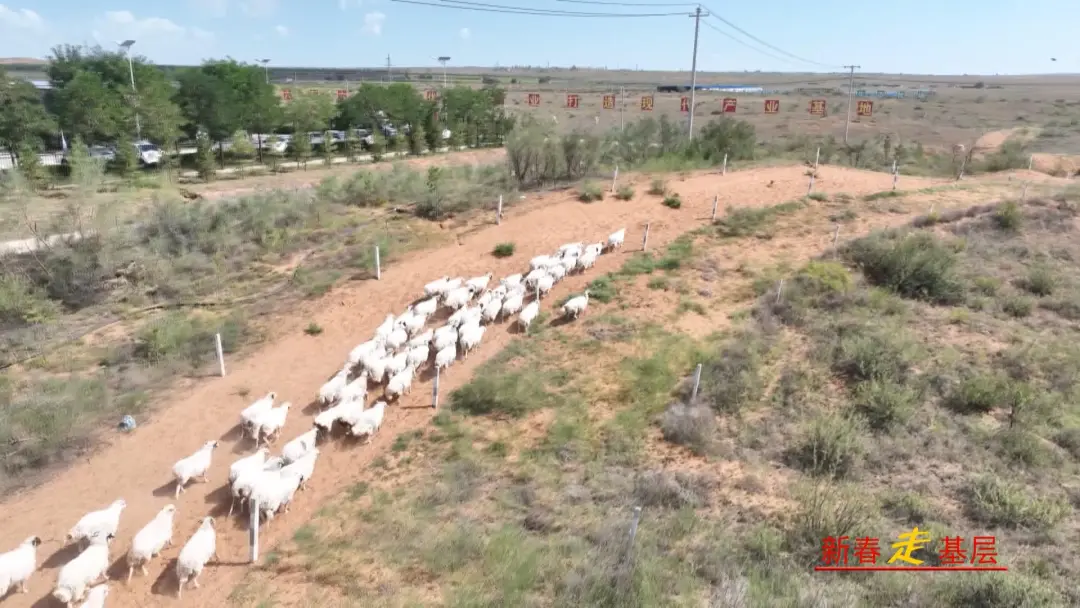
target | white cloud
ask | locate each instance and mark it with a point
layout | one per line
(159, 39)
(346, 4)
(282, 30)
(259, 8)
(21, 19)
(214, 8)
(373, 23)
(464, 33)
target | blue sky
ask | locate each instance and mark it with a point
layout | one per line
(917, 36)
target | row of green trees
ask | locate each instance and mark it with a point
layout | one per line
(92, 99)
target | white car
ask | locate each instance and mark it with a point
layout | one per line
(149, 154)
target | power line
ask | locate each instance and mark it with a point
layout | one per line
(516, 10)
(746, 44)
(763, 43)
(630, 3)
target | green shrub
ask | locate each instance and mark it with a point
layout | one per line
(658, 187)
(313, 329)
(734, 377)
(1039, 281)
(865, 354)
(625, 192)
(1008, 217)
(178, 336)
(1017, 306)
(602, 289)
(993, 502)
(916, 266)
(884, 404)
(995, 590)
(821, 197)
(979, 394)
(830, 446)
(503, 250)
(509, 394)
(590, 192)
(23, 303)
(691, 425)
(673, 201)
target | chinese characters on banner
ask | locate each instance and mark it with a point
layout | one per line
(534, 100)
(772, 106)
(911, 550)
(431, 94)
(728, 104)
(286, 95)
(684, 104)
(572, 101)
(646, 103)
(342, 94)
(817, 107)
(864, 107)
(609, 102)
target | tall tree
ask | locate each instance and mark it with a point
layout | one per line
(23, 118)
(309, 112)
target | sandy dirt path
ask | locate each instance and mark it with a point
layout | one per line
(137, 467)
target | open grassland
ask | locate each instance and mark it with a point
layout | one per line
(920, 372)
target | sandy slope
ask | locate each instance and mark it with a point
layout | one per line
(137, 467)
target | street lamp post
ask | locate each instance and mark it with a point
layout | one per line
(443, 61)
(266, 70)
(125, 47)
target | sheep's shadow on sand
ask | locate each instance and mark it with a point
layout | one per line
(219, 500)
(165, 583)
(61, 556)
(167, 489)
(233, 434)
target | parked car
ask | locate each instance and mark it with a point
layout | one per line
(149, 154)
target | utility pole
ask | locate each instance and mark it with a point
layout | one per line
(693, 68)
(388, 77)
(850, 93)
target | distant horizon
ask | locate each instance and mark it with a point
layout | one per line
(470, 69)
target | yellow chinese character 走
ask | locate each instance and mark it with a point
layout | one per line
(910, 542)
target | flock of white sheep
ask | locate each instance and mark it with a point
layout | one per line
(390, 359)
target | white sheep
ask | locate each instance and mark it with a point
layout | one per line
(149, 541)
(511, 281)
(276, 491)
(455, 319)
(544, 285)
(397, 338)
(616, 239)
(470, 339)
(271, 423)
(436, 287)
(473, 314)
(427, 307)
(443, 336)
(241, 488)
(457, 298)
(375, 367)
(196, 553)
(253, 411)
(356, 390)
(325, 420)
(577, 305)
(421, 339)
(557, 273)
(369, 424)
(254, 462)
(295, 449)
(330, 392)
(478, 284)
(104, 521)
(539, 262)
(513, 303)
(571, 250)
(358, 353)
(595, 248)
(534, 276)
(384, 328)
(568, 265)
(491, 310)
(400, 384)
(305, 466)
(87, 568)
(397, 363)
(419, 355)
(454, 283)
(446, 356)
(414, 324)
(193, 466)
(17, 565)
(95, 598)
(485, 299)
(529, 314)
(586, 261)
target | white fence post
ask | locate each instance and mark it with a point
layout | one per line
(220, 354)
(725, 165)
(715, 202)
(645, 239)
(435, 390)
(253, 531)
(1031, 161)
(779, 290)
(615, 178)
(963, 165)
(378, 265)
(498, 212)
(817, 158)
(634, 525)
(697, 382)
(895, 174)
